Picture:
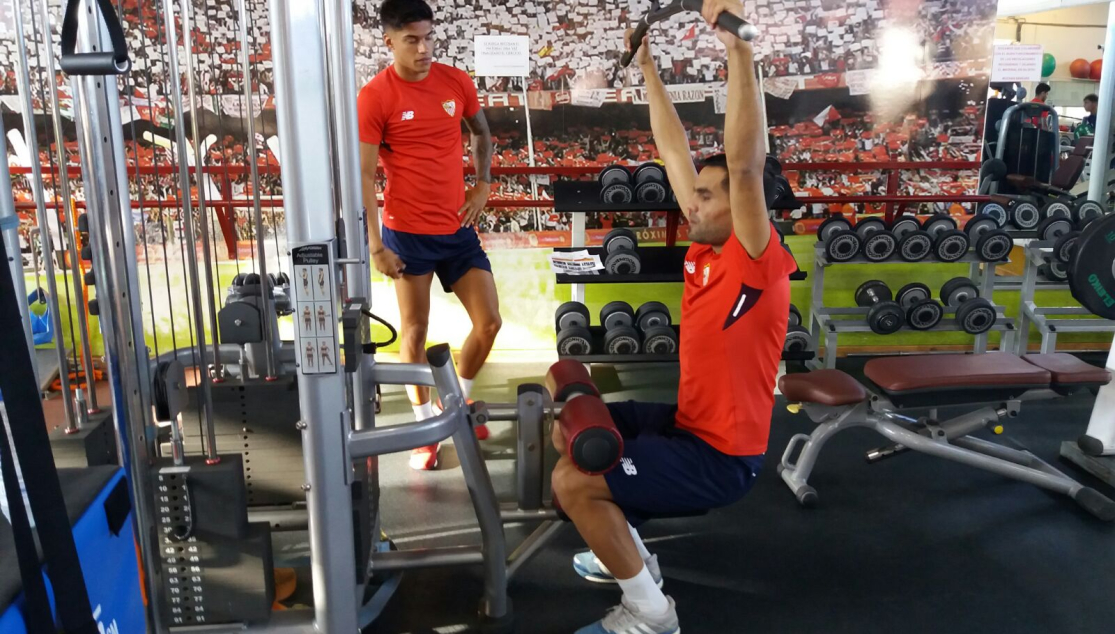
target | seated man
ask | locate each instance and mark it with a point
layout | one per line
(704, 452)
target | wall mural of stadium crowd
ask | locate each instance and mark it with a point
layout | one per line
(845, 81)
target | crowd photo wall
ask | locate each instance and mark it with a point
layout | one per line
(857, 81)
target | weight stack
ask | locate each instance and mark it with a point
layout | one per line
(91, 446)
(217, 568)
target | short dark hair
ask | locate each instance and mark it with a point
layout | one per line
(1092, 98)
(395, 14)
(1042, 87)
(717, 160)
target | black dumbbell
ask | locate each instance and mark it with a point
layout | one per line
(1054, 227)
(1054, 271)
(922, 311)
(879, 244)
(1023, 214)
(914, 243)
(652, 314)
(574, 338)
(1085, 211)
(886, 316)
(974, 314)
(623, 262)
(795, 316)
(995, 211)
(831, 225)
(616, 188)
(621, 337)
(798, 339)
(620, 239)
(87, 253)
(902, 225)
(992, 243)
(949, 243)
(252, 279)
(650, 183)
(1056, 208)
(1065, 247)
(90, 278)
(83, 223)
(94, 307)
(653, 320)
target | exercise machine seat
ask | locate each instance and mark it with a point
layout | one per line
(824, 387)
(1066, 370)
(955, 372)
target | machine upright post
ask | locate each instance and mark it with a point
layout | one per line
(9, 229)
(1105, 113)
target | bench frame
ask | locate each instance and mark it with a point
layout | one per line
(950, 440)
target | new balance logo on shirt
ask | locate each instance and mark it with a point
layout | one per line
(628, 466)
(408, 115)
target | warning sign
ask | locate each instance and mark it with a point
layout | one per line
(314, 312)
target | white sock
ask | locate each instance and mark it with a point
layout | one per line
(466, 387)
(643, 552)
(423, 411)
(644, 595)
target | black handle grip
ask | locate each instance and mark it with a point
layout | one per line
(437, 356)
(636, 42)
(732, 23)
(114, 63)
(736, 25)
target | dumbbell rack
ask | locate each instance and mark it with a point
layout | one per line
(660, 265)
(822, 320)
(1047, 318)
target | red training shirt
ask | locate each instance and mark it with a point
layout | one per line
(418, 128)
(735, 310)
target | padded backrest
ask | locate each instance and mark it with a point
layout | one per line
(1083, 146)
(1069, 172)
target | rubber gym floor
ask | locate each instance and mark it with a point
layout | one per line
(911, 544)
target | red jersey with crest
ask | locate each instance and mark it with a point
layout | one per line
(418, 128)
(734, 313)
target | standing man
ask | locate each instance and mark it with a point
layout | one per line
(1087, 126)
(410, 120)
(706, 451)
(1041, 93)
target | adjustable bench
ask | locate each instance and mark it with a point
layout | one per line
(996, 383)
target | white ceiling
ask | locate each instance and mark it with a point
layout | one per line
(1009, 8)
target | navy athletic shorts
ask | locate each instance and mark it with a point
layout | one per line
(449, 256)
(666, 471)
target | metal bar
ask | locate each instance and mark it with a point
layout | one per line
(104, 173)
(75, 256)
(402, 374)
(303, 131)
(531, 545)
(386, 440)
(510, 513)
(427, 558)
(9, 229)
(23, 79)
(286, 519)
(530, 446)
(202, 194)
(1105, 118)
(253, 160)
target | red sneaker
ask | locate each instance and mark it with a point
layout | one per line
(424, 458)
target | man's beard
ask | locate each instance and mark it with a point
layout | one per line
(710, 235)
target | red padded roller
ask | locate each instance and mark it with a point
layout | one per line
(591, 437)
(567, 378)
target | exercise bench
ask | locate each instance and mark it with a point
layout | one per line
(995, 384)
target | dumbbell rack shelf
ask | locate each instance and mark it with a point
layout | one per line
(1047, 319)
(598, 333)
(824, 322)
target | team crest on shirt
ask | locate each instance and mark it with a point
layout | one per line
(450, 107)
(708, 269)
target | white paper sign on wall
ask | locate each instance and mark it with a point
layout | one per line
(1017, 62)
(502, 55)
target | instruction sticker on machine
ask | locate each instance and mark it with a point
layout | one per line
(575, 262)
(314, 308)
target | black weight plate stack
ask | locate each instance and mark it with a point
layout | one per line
(980, 224)
(901, 225)
(1085, 211)
(652, 314)
(879, 246)
(617, 314)
(1024, 215)
(650, 192)
(617, 194)
(958, 290)
(614, 174)
(939, 224)
(1056, 209)
(649, 173)
(915, 246)
(842, 245)
(1092, 278)
(868, 226)
(1065, 247)
(620, 238)
(995, 211)
(994, 246)
(571, 314)
(872, 292)
(952, 245)
(925, 314)
(1054, 227)
(622, 340)
(660, 340)
(830, 225)
(976, 316)
(911, 294)
(797, 340)
(574, 341)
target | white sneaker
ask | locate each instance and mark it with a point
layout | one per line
(591, 568)
(624, 620)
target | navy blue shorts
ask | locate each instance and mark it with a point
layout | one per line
(668, 471)
(449, 256)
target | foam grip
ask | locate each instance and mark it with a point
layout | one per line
(568, 378)
(592, 440)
